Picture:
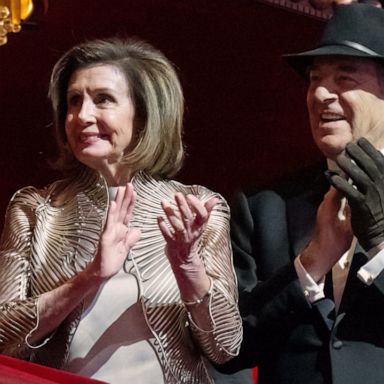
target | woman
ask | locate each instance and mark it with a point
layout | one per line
(117, 272)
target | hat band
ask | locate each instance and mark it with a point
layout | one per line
(351, 44)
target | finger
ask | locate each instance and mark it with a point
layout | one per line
(199, 209)
(164, 229)
(119, 199)
(333, 198)
(210, 204)
(119, 196)
(130, 204)
(333, 194)
(111, 215)
(173, 217)
(186, 214)
(347, 212)
(346, 189)
(358, 176)
(364, 159)
(124, 202)
(131, 207)
(329, 173)
(335, 201)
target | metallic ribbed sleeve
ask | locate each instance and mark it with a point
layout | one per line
(49, 235)
(215, 249)
(18, 311)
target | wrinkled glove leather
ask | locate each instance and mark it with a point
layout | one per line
(364, 165)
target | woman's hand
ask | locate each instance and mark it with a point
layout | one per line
(182, 233)
(115, 242)
(117, 238)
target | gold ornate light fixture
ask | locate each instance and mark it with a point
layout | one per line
(12, 14)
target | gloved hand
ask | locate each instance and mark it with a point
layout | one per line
(364, 165)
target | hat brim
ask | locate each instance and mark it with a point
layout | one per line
(301, 61)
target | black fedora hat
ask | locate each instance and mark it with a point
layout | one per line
(353, 30)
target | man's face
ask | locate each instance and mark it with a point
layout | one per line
(345, 101)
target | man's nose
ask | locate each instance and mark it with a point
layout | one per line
(325, 94)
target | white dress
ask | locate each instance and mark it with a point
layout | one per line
(111, 341)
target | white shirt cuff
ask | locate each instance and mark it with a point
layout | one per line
(312, 291)
(369, 271)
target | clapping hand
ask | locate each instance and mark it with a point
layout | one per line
(182, 228)
(364, 165)
(117, 238)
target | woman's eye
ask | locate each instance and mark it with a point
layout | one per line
(74, 100)
(104, 99)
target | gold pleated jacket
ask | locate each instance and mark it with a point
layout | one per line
(52, 234)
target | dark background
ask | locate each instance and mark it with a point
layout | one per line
(246, 122)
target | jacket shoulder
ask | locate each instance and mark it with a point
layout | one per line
(166, 188)
(304, 183)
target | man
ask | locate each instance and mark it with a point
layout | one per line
(312, 295)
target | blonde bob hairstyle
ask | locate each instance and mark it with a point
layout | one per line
(156, 94)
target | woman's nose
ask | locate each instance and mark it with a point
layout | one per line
(86, 113)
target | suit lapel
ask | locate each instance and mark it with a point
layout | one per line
(353, 286)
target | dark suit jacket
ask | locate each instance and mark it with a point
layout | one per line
(290, 340)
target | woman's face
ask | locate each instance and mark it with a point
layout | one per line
(100, 116)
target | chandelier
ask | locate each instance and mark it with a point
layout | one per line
(12, 14)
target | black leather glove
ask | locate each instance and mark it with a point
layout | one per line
(364, 165)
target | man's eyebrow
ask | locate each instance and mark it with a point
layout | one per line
(341, 67)
(347, 68)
